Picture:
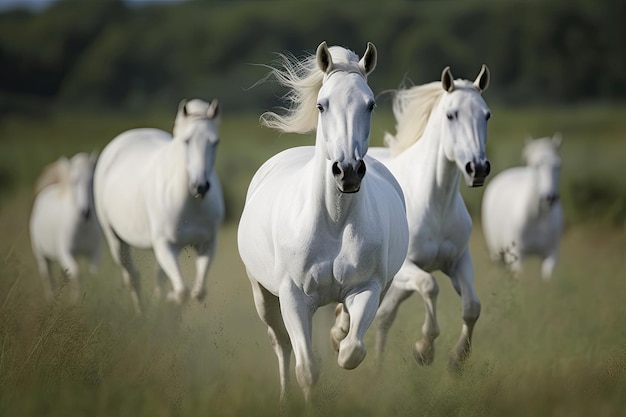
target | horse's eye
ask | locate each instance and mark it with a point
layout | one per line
(371, 106)
(488, 116)
(320, 108)
(450, 116)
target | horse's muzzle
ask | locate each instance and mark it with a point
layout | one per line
(201, 190)
(478, 172)
(348, 175)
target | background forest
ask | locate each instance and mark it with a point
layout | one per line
(76, 74)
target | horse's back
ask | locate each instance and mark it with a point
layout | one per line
(121, 177)
(504, 208)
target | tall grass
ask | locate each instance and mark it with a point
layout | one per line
(543, 349)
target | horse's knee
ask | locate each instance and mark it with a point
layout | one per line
(429, 287)
(471, 311)
(307, 375)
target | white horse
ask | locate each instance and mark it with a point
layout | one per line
(521, 210)
(63, 225)
(155, 190)
(322, 223)
(450, 120)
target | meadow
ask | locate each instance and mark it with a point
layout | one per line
(553, 348)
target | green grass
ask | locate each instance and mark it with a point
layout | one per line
(541, 349)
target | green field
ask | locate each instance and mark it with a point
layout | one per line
(540, 349)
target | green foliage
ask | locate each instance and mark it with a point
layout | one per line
(111, 55)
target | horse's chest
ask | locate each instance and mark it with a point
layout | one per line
(436, 249)
(332, 263)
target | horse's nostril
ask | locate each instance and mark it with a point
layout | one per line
(203, 188)
(360, 169)
(487, 168)
(336, 169)
(469, 168)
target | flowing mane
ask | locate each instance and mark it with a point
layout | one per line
(412, 108)
(304, 80)
(57, 172)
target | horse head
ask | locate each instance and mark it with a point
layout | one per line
(345, 103)
(196, 126)
(542, 155)
(464, 115)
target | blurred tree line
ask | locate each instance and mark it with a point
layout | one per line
(105, 54)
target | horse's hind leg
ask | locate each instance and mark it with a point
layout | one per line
(547, 266)
(45, 270)
(203, 262)
(120, 252)
(361, 305)
(462, 276)
(268, 308)
(167, 256)
(70, 269)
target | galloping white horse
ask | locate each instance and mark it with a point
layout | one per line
(155, 190)
(322, 223)
(450, 120)
(63, 225)
(521, 210)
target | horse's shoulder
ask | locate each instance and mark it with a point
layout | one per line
(283, 164)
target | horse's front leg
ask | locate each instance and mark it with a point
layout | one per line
(360, 306)
(166, 254)
(462, 276)
(205, 253)
(297, 310)
(412, 278)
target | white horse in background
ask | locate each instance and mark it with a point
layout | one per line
(322, 223)
(63, 225)
(521, 210)
(155, 190)
(440, 141)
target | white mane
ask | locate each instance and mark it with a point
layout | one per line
(412, 108)
(304, 79)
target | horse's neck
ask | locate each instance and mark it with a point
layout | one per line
(171, 165)
(438, 177)
(328, 201)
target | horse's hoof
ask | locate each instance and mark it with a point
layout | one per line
(455, 366)
(199, 295)
(352, 355)
(178, 297)
(424, 353)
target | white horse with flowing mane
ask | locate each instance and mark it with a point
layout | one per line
(155, 190)
(63, 225)
(322, 223)
(521, 210)
(440, 141)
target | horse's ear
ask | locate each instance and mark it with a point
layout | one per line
(482, 81)
(557, 139)
(447, 81)
(324, 60)
(182, 107)
(368, 62)
(214, 109)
